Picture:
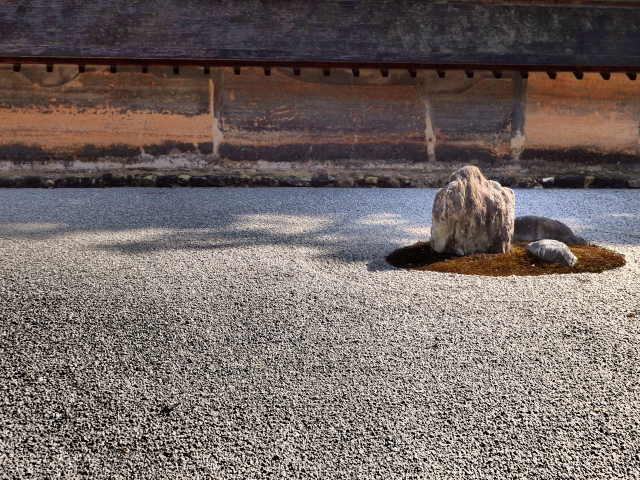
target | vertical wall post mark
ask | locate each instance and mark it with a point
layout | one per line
(216, 133)
(429, 130)
(429, 117)
(638, 139)
(518, 116)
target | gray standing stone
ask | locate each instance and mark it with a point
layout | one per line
(472, 214)
(551, 251)
(532, 228)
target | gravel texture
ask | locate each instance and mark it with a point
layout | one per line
(259, 333)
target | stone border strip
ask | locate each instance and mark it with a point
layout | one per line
(324, 179)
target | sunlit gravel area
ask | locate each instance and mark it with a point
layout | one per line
(259, 333)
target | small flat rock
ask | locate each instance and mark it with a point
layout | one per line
(552, 251)
(532, 228)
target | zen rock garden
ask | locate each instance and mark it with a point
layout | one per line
(474, 230)
(475, 215)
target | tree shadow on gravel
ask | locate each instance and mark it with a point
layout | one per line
(340, 225)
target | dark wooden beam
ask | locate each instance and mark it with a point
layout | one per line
(383, 67)
(550, 35)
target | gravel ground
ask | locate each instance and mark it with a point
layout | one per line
(256, 333)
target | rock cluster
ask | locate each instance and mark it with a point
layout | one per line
(472, 214)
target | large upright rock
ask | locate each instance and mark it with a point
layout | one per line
(472, 214)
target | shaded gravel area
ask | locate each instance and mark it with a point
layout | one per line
(259, 333)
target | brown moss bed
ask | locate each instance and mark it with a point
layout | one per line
(591, 259)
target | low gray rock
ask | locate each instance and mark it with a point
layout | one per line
(237, 180)
(166, 181)
(548, 182)
(33, 182)
(322, 180)
(370, 181)
(532, 228)
(264, 181)
(394, 182)
(525, 183)
(551, 251)
(217, 180)
(199, 181)
(75, 182)
(345, 182)
(388, 182)
(569, 181)
(609, 182)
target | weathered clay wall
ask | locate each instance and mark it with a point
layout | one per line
(69, 122)
(586, 121)
(316, 118)
(64, 116)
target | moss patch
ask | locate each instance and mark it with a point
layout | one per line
(591, 259)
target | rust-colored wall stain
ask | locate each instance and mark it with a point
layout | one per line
(317, 118)
(592, 113)
(474, 118)
(64, 111)
(64, 129)
(259, 110)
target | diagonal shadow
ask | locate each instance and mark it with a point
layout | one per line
(343, 225)
(340, 225)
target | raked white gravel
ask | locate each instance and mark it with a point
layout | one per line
(269, 323)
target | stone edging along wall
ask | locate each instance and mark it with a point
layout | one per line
(323, 179)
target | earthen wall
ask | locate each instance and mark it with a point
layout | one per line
(286, 124)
